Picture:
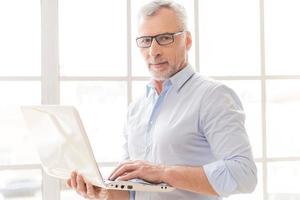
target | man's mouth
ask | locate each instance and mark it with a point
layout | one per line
(158, 65)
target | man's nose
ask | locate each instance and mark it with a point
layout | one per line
(154, 49)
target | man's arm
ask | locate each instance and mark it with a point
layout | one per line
(192, 179)
(187, 178)
(222, 122)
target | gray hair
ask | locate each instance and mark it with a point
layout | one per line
(152, 7)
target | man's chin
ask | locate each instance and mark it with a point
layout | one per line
(159, 76)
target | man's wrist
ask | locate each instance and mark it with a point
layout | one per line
(166, 174)
(117, 195)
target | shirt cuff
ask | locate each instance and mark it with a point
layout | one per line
(132, 195)
(220, 178)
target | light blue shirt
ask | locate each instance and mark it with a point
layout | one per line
(195, 121)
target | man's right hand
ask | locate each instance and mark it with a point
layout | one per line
(82, 187)
(89, 191)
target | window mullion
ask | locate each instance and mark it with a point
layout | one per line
(50, 77)
(196, 36)
(263, 100)
(129, 53)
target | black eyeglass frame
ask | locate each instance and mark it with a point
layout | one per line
(155, 37)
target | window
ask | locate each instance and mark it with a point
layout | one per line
(21, 184)
(20, 38)
(103, 111)
(20, 68)
(249, 45)
(91, 38)
(282, 37)
(229, 37)
(283, 102)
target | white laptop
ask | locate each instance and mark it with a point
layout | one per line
(63, 147)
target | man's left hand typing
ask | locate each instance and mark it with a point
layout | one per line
(138, 169)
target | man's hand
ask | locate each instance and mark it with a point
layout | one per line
(89, 191)
(82, 187)
(138, 169)
(188, 178)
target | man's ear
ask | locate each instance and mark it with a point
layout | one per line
(188, 40)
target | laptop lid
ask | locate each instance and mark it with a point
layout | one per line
(61, 142)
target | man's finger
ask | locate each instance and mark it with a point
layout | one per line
(90, 190)
(123, 169)
(73, 180)
(120, 165)
(81, 187)
(68, 183)
(128, 176)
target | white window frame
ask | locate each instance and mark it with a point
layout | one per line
(50, 81)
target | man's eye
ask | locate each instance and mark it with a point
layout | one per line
(146, 40)
(165, 38)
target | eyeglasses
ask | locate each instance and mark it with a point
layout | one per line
(161, 39)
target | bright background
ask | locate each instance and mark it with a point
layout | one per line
(250, 45)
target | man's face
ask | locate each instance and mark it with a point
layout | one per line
(164, 61)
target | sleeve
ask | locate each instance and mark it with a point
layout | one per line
(125, 153)
(222, 122)
(132, 195)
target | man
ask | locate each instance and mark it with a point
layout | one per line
(187, 131)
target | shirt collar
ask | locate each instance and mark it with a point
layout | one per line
(177, 80)
(181, 77)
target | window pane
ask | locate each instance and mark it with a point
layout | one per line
(283, 108)
(15, 147)
(102, 106)
(20, 185)
(92, 37)
(282, 37)
(229, 37)
(249, 93)
(258, 192)
(283, 180)
(20, 38)
(139, 67)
